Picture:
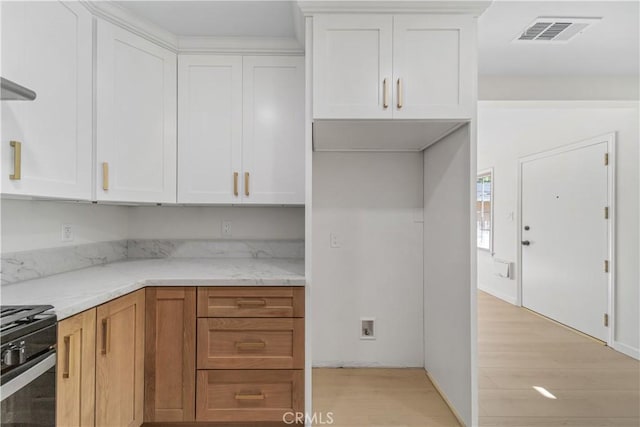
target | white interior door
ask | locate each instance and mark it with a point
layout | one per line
(565, 237)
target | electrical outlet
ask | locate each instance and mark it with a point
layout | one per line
(367, 328)
(334, 240)
(226, 228)
(67, 233)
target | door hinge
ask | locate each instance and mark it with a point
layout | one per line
(606, 159)
(606, 320)
(606, 265)
(606, 212)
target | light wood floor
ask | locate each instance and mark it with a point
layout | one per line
(517, 350)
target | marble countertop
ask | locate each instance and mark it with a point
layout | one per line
(79, 290)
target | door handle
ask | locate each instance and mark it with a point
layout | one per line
(105, 336)
(67, 354)
(385, 94)
(17, 161)
(246, 184)
(400, 102)
(526, 243)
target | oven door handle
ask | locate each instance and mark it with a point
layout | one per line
(27, 373)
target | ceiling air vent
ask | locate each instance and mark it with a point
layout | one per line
(555, 29)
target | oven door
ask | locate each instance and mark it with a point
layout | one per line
(29, 399)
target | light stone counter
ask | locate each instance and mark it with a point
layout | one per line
(79, 290)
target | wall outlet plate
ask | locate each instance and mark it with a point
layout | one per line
(67, 233)
(226, 229)
(367, 328)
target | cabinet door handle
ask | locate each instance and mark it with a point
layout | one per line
(256, 396)
(105, 176)
(235, 184)
(399, 93)
(385, 94)
(259, 302)
(105, 336)
(246, 183)
(17, 160)
(251, 345)
(67, 355)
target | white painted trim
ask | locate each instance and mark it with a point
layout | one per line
(445, 398)
(475, 8)
(501, 295)
(239, 45)
(626, 349)
(308, 220)
(610, 139)
(118, 15)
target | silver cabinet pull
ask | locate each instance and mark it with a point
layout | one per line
(385, 94)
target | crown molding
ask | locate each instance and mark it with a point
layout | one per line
(240, 45)
(467, 7)
(117, 15)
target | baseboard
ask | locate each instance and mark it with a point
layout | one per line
(352, 364)
(446, 399)
(508, 298)
(626, 349)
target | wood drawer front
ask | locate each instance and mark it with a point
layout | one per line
(249, 395)
(256, 301)
(250, 343)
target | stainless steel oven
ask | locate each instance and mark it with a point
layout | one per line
(28, 376)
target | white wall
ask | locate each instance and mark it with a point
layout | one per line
(28, 225)
(558, 88)
(373, 201)
(205, 222)
(510, 130)
(449, 272)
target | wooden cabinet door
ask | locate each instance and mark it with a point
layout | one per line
(136, 118)
(170, 354)
(210, 129)
(273, 144)
(76, 370)
(352, 66)
(120, 361)
(47, 47)
(433, 61)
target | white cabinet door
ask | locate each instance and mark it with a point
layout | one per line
(273, 136)
(46, 46)
(210, 129)
(351, 66)
(433, 61)
(136, 118)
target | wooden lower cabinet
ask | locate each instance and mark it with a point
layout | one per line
(120, 361)
(76, 370)
(249, 395)
(170, 354)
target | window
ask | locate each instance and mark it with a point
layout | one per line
(484, 209)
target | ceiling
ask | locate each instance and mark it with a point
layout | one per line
(610, 47)
(218, 18)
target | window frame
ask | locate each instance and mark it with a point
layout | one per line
(482, 173)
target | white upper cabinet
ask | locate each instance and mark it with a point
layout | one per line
(210, 131)
(136, 118)
(352, 57)
(273, 130)
(432, 64)
(241, 129)
(384, 66)
(46, 46)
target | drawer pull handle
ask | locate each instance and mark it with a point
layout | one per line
(251, 345)
(235, 184)
(256, 302)
(242, 396)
